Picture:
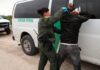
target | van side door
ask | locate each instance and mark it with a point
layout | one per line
(89, 36)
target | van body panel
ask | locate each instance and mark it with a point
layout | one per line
(89, 41)
(26, 22)
(29, 27)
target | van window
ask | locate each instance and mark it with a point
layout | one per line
(29, 9)
(93, 7)
(57, 4)
(81, 4)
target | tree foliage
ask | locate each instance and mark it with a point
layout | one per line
(8, 17)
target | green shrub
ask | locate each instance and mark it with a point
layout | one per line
(8, 17)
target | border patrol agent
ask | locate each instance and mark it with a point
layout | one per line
(46, 37)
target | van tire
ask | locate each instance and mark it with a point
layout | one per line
(8, 31)
(28, 45)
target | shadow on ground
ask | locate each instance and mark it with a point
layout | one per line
(3, 34)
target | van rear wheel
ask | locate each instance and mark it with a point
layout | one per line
(28, 45)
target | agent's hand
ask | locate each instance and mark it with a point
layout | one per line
(65, 9)
(74, 13)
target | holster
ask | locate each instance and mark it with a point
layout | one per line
(46, 42)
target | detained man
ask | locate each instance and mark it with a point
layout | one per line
(71, 22)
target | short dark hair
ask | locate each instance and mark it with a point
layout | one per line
(42, 11)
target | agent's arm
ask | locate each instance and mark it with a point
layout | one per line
(57, 15)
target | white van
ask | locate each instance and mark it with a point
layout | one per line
(25, 26)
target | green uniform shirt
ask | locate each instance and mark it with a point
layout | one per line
(45, 26)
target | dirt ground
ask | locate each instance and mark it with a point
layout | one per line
(13, 58)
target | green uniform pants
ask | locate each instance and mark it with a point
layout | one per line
(47, 53)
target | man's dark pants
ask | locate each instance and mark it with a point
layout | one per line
(47, 53)
(71, 52)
